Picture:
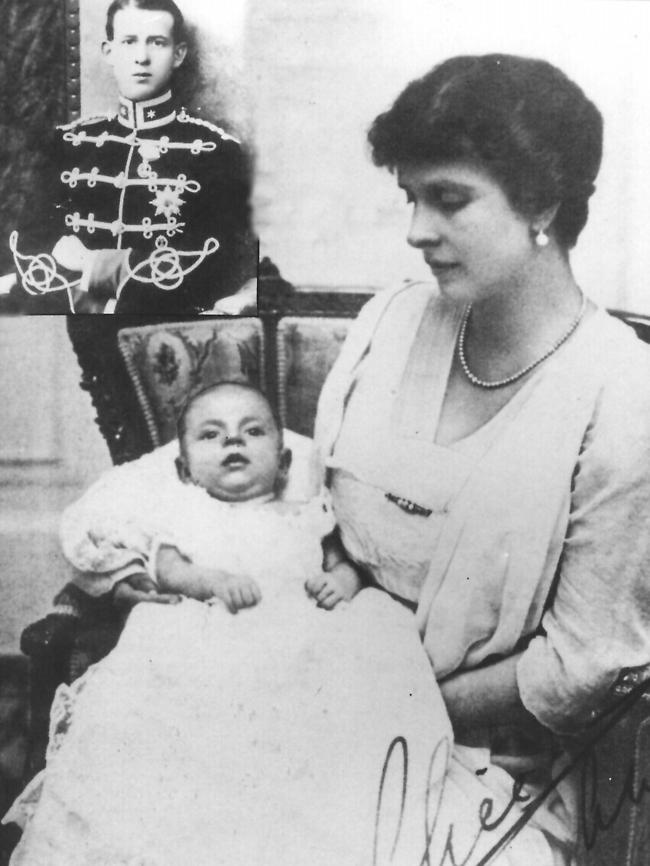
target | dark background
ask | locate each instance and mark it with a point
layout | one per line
(32, 103)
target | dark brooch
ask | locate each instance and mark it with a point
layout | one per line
(408, 506)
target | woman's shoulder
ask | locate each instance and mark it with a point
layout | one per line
(621, 357)
(621, 361)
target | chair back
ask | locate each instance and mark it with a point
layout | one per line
(167, 361)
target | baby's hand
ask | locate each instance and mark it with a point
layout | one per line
(177, 573)
(236, 591)
(140, 587)
(329, 588)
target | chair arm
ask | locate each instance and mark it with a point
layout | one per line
(52, 636)
(61, 647)
(48, 643)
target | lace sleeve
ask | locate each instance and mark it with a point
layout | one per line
(117, 525)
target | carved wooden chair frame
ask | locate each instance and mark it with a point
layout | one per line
(73, 59)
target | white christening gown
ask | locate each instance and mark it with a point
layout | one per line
(208, 738)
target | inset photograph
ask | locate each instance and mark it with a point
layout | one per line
(128, 166)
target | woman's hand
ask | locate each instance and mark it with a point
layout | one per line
(486, 697)
(329, 588)
(138, 588)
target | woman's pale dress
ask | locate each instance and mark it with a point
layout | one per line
(550, 500)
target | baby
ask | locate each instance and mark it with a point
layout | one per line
(232, 717)
(231, 445)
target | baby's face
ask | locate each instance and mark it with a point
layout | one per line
(232, 446)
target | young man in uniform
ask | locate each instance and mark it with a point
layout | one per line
(151, 210)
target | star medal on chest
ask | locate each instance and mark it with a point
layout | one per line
(167, 201)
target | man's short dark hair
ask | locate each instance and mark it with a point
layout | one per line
(178, 31)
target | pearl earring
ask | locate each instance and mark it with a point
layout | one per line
(541, 238)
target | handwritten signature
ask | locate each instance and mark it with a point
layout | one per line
(593, 819)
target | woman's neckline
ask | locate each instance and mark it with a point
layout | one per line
(528, 383)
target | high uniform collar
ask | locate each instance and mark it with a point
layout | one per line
(148, 113)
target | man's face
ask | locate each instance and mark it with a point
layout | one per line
(142, 53)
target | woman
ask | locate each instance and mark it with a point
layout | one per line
(488, 445)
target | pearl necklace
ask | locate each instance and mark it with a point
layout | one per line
(501, 383)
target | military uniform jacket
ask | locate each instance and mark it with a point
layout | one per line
(173, 189)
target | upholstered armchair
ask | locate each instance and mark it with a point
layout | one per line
(138, 373)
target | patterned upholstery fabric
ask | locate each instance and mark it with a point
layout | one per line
(306, 350)
(168, 360)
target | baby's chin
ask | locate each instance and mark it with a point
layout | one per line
(234, 494)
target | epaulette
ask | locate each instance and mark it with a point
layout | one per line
(184, 117)
(86, 121)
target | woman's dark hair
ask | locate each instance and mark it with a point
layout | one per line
(522, 119)
(178, 31)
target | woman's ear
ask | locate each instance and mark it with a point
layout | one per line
(183, 470)
(544, 220)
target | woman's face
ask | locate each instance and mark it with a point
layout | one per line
(475, 243)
